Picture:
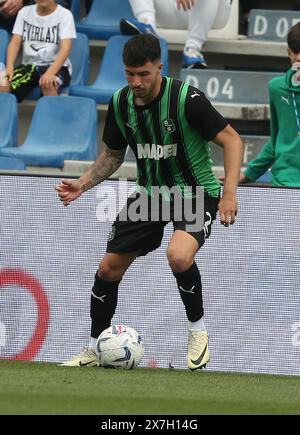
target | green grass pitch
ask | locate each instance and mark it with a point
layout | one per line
(44, 388)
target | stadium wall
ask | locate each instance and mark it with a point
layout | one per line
(49, 255)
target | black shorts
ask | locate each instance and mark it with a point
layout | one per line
(144, 236)
(27, 77)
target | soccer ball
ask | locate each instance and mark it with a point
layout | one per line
(120, 347)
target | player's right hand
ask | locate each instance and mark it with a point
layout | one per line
(69, 190)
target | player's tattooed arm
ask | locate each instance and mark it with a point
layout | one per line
(106, 164)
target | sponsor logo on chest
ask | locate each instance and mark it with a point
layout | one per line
(156, 152)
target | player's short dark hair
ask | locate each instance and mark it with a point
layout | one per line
(141, 49)
(293, 38)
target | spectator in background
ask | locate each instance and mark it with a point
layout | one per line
(45, 30)
(197, 16)
(10, 8)
(282, 152)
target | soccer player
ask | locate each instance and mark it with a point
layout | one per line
(168, 124)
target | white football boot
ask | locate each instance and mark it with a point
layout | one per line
(198, 353)
(87, 358)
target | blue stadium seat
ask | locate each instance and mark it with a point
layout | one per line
(271, 24)
(80, 59)
(11, 163)
(8, 120)
(62, 128)
(111, 76)
(103, 19)
(4, 39)
(75, 9)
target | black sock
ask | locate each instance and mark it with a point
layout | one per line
(104, 300)
(190, 289)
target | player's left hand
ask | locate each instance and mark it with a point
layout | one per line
(228, 209)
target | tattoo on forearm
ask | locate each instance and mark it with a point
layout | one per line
(106, 164)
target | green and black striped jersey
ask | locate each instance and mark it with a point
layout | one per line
(169, 136)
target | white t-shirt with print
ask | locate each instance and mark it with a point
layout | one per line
(42, 34)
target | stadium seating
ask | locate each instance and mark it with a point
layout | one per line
(8, 120)
(271, 25)
(111, 73)
(62, 128)
(4, 38)
(103, 19)
(75, 8)
(11, 163)
(230, 86)
(223, 51)
(80, 59)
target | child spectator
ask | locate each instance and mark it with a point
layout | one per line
(45, 31)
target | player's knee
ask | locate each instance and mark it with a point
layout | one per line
(110, 271)
(179, 261)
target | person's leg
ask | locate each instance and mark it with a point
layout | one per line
(223, 14)
(63, 79)
(197, 21)
(25, 78)
(144, 11)
(104, 297)
(181, 253)
(189, 236)
(127, 240)
(168, 16)
(50, 91)
(153, 14)
(200, 21)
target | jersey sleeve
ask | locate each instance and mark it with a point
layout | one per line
(112, 135)
(18, 28)
(67, 27)
(202, 116)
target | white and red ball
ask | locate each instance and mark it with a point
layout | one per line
(120, 347)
